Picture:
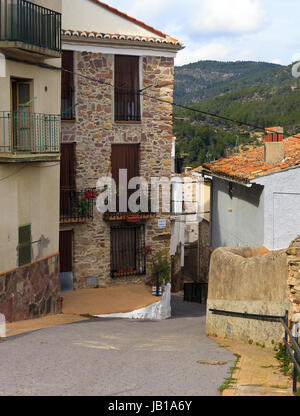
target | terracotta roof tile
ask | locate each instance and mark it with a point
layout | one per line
(249, 165)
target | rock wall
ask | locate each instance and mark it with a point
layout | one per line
(293, 261)
(95, 131)
(248, 281)
(30, 291)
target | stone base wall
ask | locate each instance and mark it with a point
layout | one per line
(293, 260)
(30, 291)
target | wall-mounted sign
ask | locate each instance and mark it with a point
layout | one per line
(162, 224)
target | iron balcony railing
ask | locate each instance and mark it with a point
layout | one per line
(77, 206)
(26, 132)
(24, 21)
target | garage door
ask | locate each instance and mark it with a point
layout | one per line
(286, 219)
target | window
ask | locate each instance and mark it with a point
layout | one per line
(24, 247)
(128, 256)
(67, 87)
(127, 88)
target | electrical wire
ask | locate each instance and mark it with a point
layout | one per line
(174, 104)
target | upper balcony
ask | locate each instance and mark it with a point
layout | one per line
(29, 27)
(29, 137)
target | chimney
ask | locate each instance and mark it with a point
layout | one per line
(274, 145)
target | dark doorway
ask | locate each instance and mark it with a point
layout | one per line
(66, 260)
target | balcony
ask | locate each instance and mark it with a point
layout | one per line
(76, 206)
(30, 27)
(29, 137)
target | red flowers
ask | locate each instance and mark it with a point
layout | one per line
(90, 195)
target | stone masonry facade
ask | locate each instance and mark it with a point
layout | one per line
(30, 291)
(294, 281)
(95, 131)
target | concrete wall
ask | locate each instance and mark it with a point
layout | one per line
(236, 220)
(243, 280)
(55, 5)
(98, 19)
(282, 208)
(46, 87)
(29, 195)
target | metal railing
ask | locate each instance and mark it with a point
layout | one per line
(24, 21)
(76, 206)
(26, 132)
(293, 350)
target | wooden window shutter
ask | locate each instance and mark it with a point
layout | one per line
(24, 245)
(127, 88)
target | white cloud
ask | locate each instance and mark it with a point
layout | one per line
(228, 17)
(211, 51)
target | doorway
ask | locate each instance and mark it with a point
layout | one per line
(22, 119)
(66, 260)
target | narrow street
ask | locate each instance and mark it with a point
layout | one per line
(116, 357)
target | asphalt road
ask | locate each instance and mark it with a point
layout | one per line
(115, 357)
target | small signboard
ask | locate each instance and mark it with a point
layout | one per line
(162, 224)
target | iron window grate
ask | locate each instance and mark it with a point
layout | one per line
(128, 256)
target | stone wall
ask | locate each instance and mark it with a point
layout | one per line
(246, 280)
(95, 131)
(30, 291)
(293, 260)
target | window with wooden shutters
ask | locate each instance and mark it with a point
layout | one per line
(67, 86)
(25, 245)
(127, 88)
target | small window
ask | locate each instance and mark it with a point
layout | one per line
(128, 256)
(67, 87)
(24, 247)
(127, 88)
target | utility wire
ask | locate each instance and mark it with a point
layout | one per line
(174, 104)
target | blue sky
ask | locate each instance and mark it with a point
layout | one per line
(225, 30)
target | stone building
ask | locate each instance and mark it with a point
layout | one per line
(113, 65)
(30, 81)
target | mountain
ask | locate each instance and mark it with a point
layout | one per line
(257, 93)
(206, 79)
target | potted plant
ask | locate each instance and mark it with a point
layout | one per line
(161, 270)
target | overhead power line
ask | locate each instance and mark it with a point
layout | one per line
(174, 104)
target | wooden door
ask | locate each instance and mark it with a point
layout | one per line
(22, 115)
(66, 251)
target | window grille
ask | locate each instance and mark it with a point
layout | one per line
(128, 257)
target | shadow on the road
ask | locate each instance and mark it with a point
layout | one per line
(181, 309)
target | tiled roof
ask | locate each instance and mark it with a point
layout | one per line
(116, 36)
(250, 164)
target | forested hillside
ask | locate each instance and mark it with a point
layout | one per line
(260, 94)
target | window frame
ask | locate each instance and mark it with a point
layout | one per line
(139, 112)
(118, 260)
(24, 245)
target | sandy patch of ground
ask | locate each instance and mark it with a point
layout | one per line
(113, 299)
